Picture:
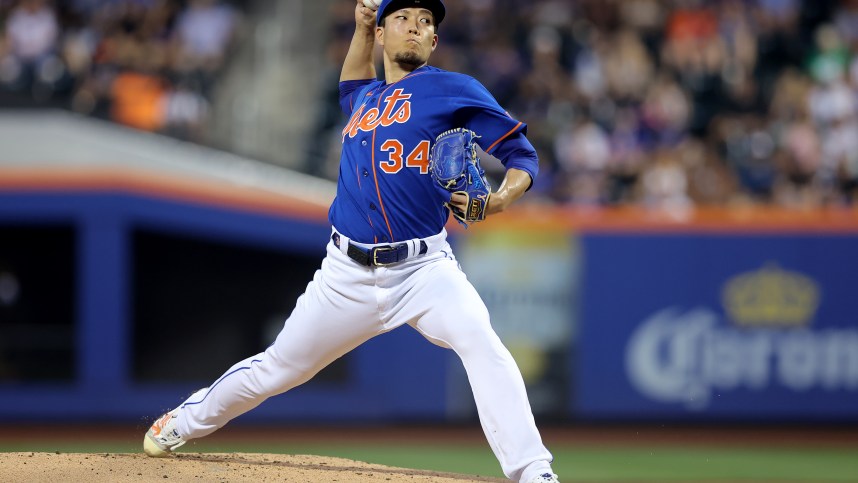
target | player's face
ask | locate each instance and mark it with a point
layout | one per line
(408, 36)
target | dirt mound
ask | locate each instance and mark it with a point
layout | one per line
(197, 467)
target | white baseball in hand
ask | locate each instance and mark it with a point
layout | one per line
(372, 4)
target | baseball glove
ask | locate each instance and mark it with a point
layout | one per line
(455, 167)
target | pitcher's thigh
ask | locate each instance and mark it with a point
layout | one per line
(455, 315)
(322, 327)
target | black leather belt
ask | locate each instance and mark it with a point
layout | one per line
(380, 255)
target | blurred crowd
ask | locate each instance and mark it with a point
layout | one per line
(149, 64)
(667, 103)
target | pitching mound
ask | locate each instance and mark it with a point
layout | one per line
(198, 467)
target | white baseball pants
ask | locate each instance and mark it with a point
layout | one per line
(345, 305)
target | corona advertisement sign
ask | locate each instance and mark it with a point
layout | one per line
(767, 331)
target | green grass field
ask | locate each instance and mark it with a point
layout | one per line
(572, 462)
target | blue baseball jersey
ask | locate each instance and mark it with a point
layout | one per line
(385, 193)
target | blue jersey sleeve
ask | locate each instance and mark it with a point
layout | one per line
(516, 152)
(500, 135)
(349, 89)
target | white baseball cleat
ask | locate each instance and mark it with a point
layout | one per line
(544, 478)
(162, 438)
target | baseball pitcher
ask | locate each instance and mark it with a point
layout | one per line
(408, 161)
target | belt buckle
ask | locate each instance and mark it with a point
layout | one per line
(388, 248)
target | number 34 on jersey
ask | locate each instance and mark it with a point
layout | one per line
(397, 109)
(418, 158)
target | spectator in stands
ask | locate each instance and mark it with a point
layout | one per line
(28, 57)
(583, 151)
(664, 184)
(204, 31)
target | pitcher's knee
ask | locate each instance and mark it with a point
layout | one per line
(478, 340)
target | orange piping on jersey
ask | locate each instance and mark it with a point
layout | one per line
(374, 238)
(377, 189)
(503, 137)
(357, 175)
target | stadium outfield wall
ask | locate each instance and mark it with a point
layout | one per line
(610, 319)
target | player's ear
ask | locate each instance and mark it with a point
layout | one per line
(434, 42)
(379, 35)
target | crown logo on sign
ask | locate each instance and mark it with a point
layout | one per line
(771, 296)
